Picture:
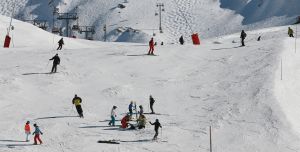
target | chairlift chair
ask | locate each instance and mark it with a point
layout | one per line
(55, 30)
(75, 28)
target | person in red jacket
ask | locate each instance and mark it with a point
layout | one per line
(27, 130)
(124, 121)
(151, 45)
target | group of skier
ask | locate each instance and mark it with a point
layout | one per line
(37, 132)
(141, 120)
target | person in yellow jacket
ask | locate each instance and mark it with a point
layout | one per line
(290, 32)
(141, 122)
(77, 102)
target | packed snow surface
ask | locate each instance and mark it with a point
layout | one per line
(236, 90)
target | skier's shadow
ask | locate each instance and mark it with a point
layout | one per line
(107, 120)
(94, 127)
(12, 140)
(133, 141)
(136, 55)
(227, 48)
(36, 73)
(55, 117)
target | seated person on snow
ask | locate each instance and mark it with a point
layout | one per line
(124, 121)
(141, 122)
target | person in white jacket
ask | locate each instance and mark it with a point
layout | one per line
(113, 116)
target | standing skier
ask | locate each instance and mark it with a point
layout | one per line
(56, 61)
(151, 104)
(113, 116)
(156, 127)
(27, 130)
(60, 44)
(141, 110)
(290, 32)
(151, 47)
(243, 36)
(36, 134)
(130, 108)
(181, 41)
(77, 102)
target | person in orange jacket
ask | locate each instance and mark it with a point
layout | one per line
(151, 45)
(27, 130)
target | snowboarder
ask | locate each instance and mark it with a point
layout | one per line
(181, 40)
(113, 116)
(141, 110)
(77, 102)
(156, 127)
(243, 36)
(36, 134)
(60, 44)
(56, 61)
(124, 121)
(290, 32)
(151, 47)
(141, 121)
(151, 104)
(130, 108)
(27, 130)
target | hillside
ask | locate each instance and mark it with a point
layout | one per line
(179, 18)
(236, 90)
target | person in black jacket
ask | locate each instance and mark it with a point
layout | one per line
(151, 104)
(243, 36)
(181, 40)
(60, 44)
(156, 127)
(56, 61)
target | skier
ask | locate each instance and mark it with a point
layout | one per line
(258, 39)
(181, 41)
(156, 126)
(27, 130)
(56, 61)
(151, 47)
(113, 116)
(141, 121)
(290, 32)
(130, 108)
(141, 110)
(36, 134)
(60, 44)
(243, 36)
(77, 102)
(151, 104)
(124, 121)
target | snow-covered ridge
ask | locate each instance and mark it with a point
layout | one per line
(181, 17)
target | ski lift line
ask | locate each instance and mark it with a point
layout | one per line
(183, 16)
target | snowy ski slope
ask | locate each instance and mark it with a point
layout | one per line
(236, 90)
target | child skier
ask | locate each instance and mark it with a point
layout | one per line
(113, 116)
(27, 130)
(156, 127)
(130, 108)
(36, 134)
(141, 110)
(141, 122)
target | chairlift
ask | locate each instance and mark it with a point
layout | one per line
(75, 28)
(156, 13)
(163, 9)
(55, 30)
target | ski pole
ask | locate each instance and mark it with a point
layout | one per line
(47, 63)
(161, 133)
